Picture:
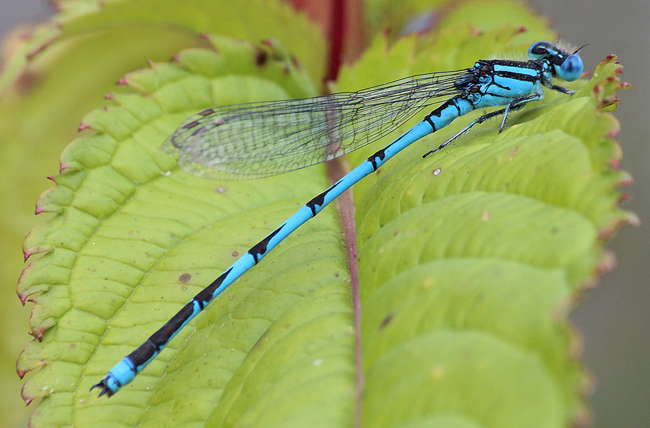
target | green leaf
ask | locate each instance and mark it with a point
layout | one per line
(469, 260)
(418, 16)
(55, 73)
(153, 230)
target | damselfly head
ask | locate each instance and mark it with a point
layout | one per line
(564, 65)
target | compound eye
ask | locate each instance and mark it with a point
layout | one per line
(539, 49)
(571, 68)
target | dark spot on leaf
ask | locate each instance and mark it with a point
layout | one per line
(235, 253)
(185, 277)
(261, 58)
(386, 321)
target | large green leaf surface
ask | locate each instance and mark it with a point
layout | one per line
(123, 193)
(55, 73)
(469, 260)
(477, 251)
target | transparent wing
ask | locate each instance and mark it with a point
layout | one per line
(255, 140)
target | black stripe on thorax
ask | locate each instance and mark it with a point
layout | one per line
(518, 76)
(530, 65)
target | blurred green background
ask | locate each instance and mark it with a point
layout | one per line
(614, 318)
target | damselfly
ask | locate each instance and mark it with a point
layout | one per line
(260, 139)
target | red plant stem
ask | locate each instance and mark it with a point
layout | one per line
(337, 38)
(346, 208)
